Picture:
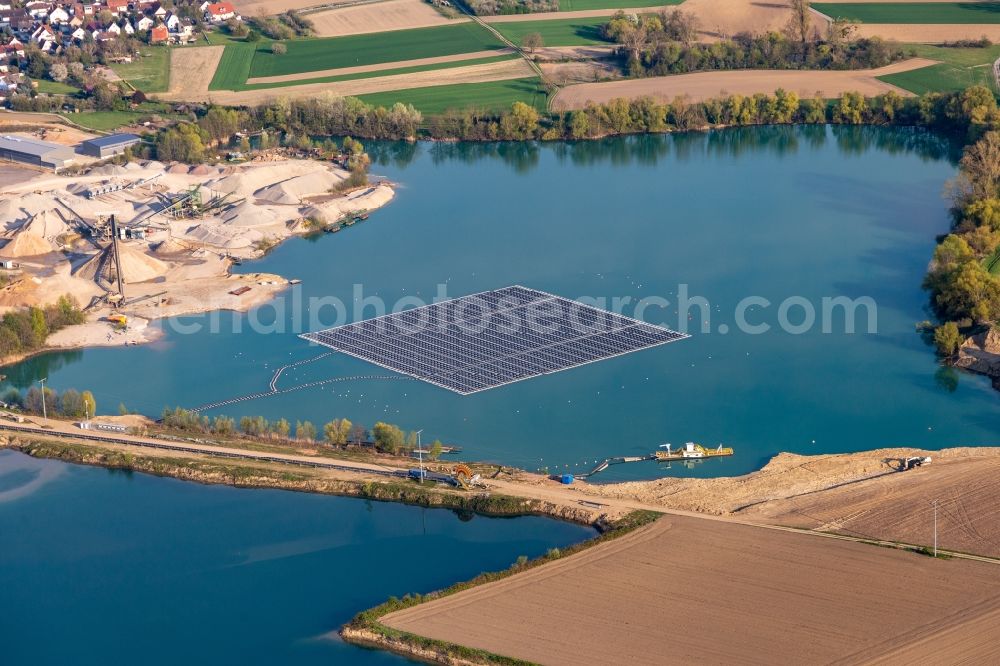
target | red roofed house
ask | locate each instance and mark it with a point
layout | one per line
(220, 12)
(118, 7)
(158, 34)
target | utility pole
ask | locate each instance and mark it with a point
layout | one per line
(45, 414)
(420, 455)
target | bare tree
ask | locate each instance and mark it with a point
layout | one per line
(532, 41)
(798, 25)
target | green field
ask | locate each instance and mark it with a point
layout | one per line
(959, 69)
(149, 73)
(581, 5)
(560, 32)
(234, 67)
(913, 12)
(491, 96)
(309, 55)
(104, 120)
(55, 88)
(381, 72)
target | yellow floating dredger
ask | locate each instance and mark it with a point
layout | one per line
(691, 451)
(666, 453)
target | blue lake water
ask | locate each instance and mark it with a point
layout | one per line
(100, 567)
(775, 213)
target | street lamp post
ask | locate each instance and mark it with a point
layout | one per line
(420, 455)
(45, 414)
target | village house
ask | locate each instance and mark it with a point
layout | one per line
(58, 16)
(143, 24)
(220, 12)
(159, 34)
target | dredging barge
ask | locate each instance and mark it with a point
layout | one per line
(665, 453)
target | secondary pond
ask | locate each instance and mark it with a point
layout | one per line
(762, 223)
(96, 563)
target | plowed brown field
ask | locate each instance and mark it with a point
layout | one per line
(695, 591)
(706, 85)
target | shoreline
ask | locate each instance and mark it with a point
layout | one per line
(785, 481)
(182, 265)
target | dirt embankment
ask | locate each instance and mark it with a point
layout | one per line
(980, 353)
(701, 86)
(685, 590)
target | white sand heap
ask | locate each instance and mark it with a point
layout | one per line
(16, 210)
(137, 266)
(224, 236)
(35, 237)
(170, 246)
(247, 215)
(293, 190)
(367, 199)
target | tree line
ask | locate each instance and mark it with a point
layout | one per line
(26, 330)
(71, 404)
(339, 433)
(664, 43)
(964, 275)
(299, 122)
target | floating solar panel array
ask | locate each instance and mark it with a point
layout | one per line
(485, 340)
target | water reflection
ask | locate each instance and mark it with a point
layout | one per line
(649, 149)
(24, 374)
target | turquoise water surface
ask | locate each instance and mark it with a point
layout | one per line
(774, 213)
(105, 567)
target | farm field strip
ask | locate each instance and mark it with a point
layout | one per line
(583, 5)
(507, 68)
(378, 17)
(913, 12)
(305, 55)
(557, 32)
(491, 96)
(765, 592)
(384, 74)
(402, 64)
(700, 86)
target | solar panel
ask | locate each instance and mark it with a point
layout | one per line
(493, 338)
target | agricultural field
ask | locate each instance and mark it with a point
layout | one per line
(307, 55)
(689, 590)
(586, 5)
(959, 69)
(104, 121)
(234, 67)
(358, 19)
(490, 96)
(913, 12)
(55, 88)
(150, 73)
(378, 73)
(559, 32)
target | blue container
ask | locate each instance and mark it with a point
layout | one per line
(567, 479)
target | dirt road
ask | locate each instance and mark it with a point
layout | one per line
(693, 591)
(706, 85)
